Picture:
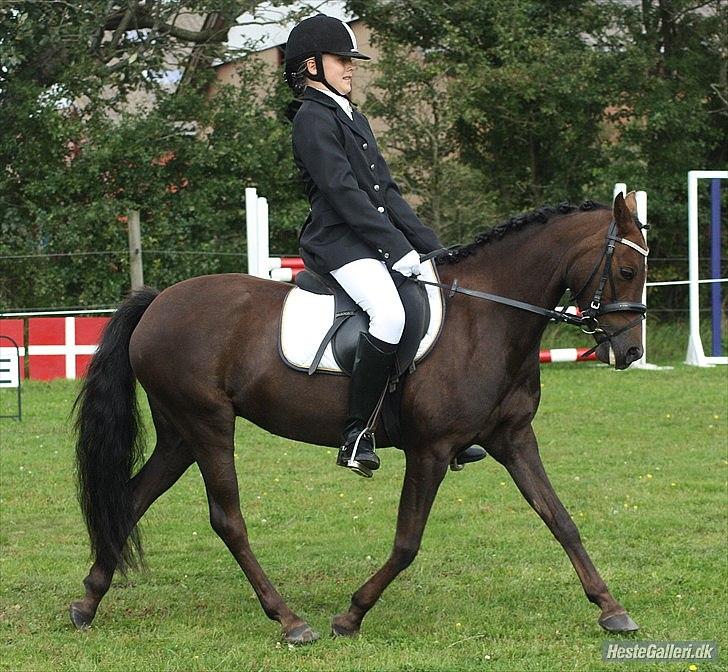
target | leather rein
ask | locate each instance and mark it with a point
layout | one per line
(588, 321)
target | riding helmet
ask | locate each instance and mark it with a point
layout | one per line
(320, 34)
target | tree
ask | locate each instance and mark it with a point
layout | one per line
(555, 100)
(93, 127)
(416, 97)
(670, 115)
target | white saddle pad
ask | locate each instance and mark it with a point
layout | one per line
(307, 317)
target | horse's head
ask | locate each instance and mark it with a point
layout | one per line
(609, 275)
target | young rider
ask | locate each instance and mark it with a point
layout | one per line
(360, 229)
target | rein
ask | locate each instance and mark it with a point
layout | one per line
(588, 321)
(556, 315)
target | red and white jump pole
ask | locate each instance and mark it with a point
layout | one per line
(565, 355)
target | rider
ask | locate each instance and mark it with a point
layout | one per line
(360, 229)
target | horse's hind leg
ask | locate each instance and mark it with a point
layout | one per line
(215, 456)
(519, 454)
(169, 460)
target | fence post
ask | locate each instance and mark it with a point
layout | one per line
(251, 229)
(135, 250)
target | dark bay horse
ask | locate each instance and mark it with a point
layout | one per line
(205, 351)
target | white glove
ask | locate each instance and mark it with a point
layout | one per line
(408, 265)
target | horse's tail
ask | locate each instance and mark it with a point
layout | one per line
(108, 442)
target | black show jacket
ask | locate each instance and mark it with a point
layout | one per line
(357, 210)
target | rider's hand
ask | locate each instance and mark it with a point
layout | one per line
(408, 265)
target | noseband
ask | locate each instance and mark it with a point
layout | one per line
(588, 321)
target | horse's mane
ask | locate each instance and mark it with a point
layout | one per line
(539, 216)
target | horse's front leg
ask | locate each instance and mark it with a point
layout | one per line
(517, 450)
(422, 478)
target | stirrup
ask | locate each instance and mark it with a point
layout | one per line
(359, 469)
(352, 463)
(473, 453)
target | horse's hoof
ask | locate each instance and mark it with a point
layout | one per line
(341, 628)
(79, 618)
(301, 634)
(619, 623)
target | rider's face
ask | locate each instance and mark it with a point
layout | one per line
(339, 71)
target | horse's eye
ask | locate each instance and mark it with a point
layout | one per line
(626, 272)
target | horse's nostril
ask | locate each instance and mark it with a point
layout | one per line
(633, 354)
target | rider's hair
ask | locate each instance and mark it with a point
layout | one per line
(298, 79)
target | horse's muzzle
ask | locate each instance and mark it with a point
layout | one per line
(618, 355)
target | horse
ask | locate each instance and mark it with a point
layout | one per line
(205, 351)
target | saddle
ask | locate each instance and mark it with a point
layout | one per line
(320, 324)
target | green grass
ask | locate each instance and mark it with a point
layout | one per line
(639, 458)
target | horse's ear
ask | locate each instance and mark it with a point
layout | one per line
(624, 212)
(630, 200)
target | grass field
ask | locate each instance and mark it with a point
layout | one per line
(639, 458)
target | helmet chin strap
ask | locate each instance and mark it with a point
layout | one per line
(320, 77)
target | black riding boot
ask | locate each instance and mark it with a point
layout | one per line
(372, 365)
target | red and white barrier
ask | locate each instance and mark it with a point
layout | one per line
(565, 355)
(284, 268)
(58, 347)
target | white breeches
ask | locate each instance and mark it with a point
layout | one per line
(368, 282)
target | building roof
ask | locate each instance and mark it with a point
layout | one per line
(263, 28)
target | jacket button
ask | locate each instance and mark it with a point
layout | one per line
(371, 167)
(386, 255)
(365, 146)
(380, 209)
(376, 187)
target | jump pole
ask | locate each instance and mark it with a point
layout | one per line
(251, 229)
(260, 263)
(715, 298)
(696, 355)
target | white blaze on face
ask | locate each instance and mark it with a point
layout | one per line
(612, 358)
(352, 36)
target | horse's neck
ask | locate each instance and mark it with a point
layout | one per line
(526, 265)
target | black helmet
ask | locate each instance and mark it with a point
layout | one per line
(318, 35)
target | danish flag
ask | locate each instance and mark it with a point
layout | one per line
(58, 347)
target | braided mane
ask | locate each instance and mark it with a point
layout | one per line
(539, 216)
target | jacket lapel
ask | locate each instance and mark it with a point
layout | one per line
(344, 117)
(358, 128)
(364, 130)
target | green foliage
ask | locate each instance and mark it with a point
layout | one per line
(89, 134)
(416, 98)
(492, 107)
(550, 101)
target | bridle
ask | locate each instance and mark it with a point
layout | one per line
(588, 320)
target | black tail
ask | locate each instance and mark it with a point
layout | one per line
(109, 445)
